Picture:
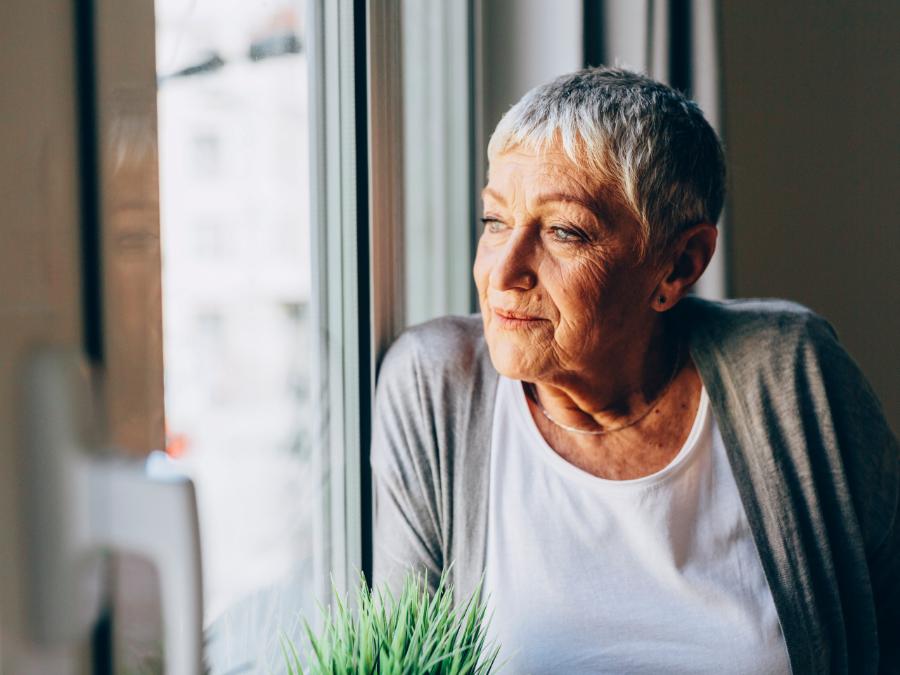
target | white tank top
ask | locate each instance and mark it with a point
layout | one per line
(653, 575)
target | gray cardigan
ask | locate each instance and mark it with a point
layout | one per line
(817, 467)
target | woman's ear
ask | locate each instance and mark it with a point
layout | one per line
(685, 263)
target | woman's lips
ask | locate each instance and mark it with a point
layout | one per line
(508, 319)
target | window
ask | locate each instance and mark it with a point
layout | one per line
(266, 315)
(249, 408)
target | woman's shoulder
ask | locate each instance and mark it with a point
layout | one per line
(750, 313)
(770, 349)
(445, 347)
(780, 357)
(756, 326)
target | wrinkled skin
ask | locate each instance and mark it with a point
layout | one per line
(569, 263)
(560, 251)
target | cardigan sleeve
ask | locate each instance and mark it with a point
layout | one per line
(885, 570)
(431, 455)
(406, 518)
(872, 463)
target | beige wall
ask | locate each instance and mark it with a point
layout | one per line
(811, 108)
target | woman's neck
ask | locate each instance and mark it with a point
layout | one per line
(616, 386)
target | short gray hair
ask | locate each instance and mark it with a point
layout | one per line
(650, 143)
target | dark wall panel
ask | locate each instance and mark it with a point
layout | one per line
(811, 104)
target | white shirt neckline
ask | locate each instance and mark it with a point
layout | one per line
(655, 574)
(573, 472)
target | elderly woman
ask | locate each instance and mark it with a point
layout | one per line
(645, 481)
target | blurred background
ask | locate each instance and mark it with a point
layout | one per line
(226, 209)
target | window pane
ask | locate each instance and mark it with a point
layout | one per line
(234, 192)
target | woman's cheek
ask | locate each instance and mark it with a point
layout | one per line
(580, 292)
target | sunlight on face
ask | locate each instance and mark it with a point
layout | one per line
(559, 281)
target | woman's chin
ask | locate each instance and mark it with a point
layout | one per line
(512, 361)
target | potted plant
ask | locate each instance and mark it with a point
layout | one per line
(414, 634)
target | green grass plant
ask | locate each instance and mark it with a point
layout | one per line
(418, 633)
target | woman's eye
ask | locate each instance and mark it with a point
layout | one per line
(564, 234)
(492, 225)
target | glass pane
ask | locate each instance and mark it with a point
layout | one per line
(234, 193)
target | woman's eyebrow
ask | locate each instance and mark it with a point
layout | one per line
(565, 197)
(591, 205)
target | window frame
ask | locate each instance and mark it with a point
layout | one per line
(341, 369)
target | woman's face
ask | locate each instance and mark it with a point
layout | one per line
(560, 283)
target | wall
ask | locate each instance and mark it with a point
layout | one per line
(811, 105)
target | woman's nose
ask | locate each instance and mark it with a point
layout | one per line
(514, 266)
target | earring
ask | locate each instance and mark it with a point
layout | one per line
(662, 300)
